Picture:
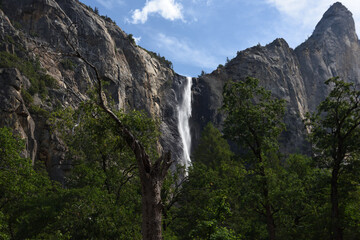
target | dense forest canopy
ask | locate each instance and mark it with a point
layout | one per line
(259, 193)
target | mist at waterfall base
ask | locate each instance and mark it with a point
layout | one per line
(184, 113)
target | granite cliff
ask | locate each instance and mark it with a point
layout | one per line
(35, 31)
(296, 75)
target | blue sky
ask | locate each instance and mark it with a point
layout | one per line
(199, 35)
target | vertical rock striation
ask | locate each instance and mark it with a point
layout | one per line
(136, 79)
(332, 50)
(297, 76)
(35, 30)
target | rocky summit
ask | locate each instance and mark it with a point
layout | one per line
(296, 75)
(40, 31)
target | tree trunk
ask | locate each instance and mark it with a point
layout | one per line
(151, 209)
(270, 223)
(152, 173)
(336, 229)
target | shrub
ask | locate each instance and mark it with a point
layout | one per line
(9, 39)
(160, 58)
(39, 111)
(28, 99)
(131, 39)
(32, 70)
(67, 64)
(17, 25)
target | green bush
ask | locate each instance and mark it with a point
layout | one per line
(39, 111)
(27, 97)
(49, 81)
(131, 39)
(9, 39)
(17, 25)
(106, 18)
(32, 70)
(34, 34)
(160, 58)
(96, 11)
(68, 64)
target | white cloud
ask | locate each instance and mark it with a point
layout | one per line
(168, 9)
(183, 52)
(137, 40)
(309, 12)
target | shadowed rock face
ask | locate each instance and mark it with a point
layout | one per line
(297, 76)
(136, 80)
(13, 112)
(36, 29)
(277, 68)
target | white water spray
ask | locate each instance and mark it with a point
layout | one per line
(184, 111)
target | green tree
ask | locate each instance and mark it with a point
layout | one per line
(24, 192)
(254, 122)
(301, 193)
(207, 196)
(152, 170)
(334, 132)
(131, 39)
(96, 10)
(213, 149)
(104, 170)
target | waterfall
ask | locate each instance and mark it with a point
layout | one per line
(184, 111)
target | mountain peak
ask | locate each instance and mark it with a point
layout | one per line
(337, 20)
(337, 8)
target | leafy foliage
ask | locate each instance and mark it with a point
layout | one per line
(22, 191)
(32, 70)
(257, 194)
(335, 130)
(68, 64)
(271, 185)
(131, 39)
(212, 148)
(254, 118)
(205, 207)
(104, 173)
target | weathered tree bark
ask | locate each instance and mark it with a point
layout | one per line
(152, 173)
(336, 230)
(338, 157)
(270, 223)
(151, 208)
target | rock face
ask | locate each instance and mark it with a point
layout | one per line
(37, 30)
(40, 31)
(332, 50)
(13, 112)
(297, 76)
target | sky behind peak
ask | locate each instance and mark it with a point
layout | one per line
(199, 35)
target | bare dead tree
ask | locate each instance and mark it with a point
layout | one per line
(152, 173)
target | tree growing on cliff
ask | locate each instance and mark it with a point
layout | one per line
(334, 133)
